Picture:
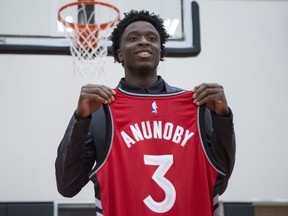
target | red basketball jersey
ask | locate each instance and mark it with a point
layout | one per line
(157, 163)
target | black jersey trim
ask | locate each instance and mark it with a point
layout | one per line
(108, 146)
(150, 95)
(202, 134)
(98, 210)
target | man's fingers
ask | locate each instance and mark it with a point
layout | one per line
(205, 98)
(100, 93)
(207, 92)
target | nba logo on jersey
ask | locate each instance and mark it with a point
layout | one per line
(154, 107)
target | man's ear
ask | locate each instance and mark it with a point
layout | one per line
(119, 55)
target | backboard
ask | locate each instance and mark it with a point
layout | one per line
(32, 27)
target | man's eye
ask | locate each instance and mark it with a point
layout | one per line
(133, 38)
(152, 39)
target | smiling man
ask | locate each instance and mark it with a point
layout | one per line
(183, 141)
(140, 61)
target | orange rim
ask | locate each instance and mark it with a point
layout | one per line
(102, 26)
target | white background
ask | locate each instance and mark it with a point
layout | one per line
(244, 48)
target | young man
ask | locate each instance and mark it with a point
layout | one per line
(159, 150)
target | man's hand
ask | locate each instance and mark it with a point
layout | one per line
(91, 98)
(213, 95)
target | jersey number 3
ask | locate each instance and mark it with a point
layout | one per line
(164, 162)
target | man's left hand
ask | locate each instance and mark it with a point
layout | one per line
(213, 95)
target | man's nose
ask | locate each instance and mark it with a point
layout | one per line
(143, 40)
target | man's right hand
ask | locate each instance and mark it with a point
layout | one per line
(91, 98)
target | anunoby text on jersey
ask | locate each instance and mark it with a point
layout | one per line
(156, 130)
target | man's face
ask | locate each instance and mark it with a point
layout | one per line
(140, 47)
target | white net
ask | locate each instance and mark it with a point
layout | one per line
(88, 25)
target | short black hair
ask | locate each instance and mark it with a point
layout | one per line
(134, 16)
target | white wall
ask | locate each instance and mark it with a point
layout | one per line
(244, 48)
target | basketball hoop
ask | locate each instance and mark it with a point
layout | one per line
(87, 25)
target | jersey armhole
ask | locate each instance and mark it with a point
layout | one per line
(107, 146)
(206, 148)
